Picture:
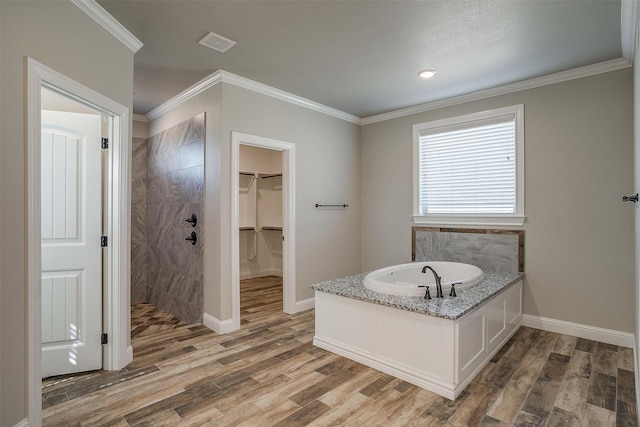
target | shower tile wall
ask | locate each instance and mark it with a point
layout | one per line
(492, 250)
(139, 221)
(175, 174)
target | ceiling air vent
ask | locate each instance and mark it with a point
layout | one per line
(216, 42)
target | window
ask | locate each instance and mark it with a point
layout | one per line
(470, 169)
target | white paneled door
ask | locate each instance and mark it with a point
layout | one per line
(71, 225)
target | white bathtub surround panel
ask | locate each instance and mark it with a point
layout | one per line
(447, 307)
(489, 249)
(435, 353)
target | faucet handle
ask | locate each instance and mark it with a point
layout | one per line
(453, 289)
(427, 294)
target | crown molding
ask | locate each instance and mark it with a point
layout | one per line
(286, 96)
(563, 76)
(204, 84)
(139, 118)
(628, 28)
(109, 23)
(230, 78)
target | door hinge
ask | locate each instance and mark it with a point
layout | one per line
(104, 339)
(104, 241)
(105, 143)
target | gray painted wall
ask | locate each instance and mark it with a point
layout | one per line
(61, 36)
(579, 245)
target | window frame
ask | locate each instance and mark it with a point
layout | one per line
(470, 120)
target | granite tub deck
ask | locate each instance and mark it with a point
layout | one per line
(448, 307)
(439, 344)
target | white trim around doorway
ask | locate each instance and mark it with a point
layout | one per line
(288, 220)
(116, 322)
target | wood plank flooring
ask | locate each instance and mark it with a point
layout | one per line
(270, 374)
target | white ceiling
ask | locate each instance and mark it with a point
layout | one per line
(362, 57)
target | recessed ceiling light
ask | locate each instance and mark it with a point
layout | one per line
(427, 74)
(216, 42)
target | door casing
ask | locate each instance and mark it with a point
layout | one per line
(116, 275)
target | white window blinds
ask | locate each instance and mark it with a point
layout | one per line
(468, 168)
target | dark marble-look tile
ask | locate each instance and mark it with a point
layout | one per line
(158, 189)
(138, 253)
(138, 158)
(186, 185)
(139, 292)
(187, 312)
(191, 155)
(181, 134)
(163, 163)
(487, 251)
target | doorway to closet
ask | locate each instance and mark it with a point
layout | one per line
(262, 236)
(260, 230)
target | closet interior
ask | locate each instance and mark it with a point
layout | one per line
(260, 210)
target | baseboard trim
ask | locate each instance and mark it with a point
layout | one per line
(305, 304)
(608, 336)
(23, 423)
(262, 273)
(128, 354)
(217, 325)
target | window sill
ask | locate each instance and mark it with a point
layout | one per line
(456, 221)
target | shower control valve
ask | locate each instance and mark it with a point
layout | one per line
(193, 220)
(193, 238)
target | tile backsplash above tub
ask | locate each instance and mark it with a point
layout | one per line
(489, 249)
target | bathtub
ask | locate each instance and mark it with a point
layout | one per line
(404, 279)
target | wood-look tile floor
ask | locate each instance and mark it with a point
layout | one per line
(269, 373)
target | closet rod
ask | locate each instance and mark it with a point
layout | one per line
(274, 175)
(344, 205)
(247, 174)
